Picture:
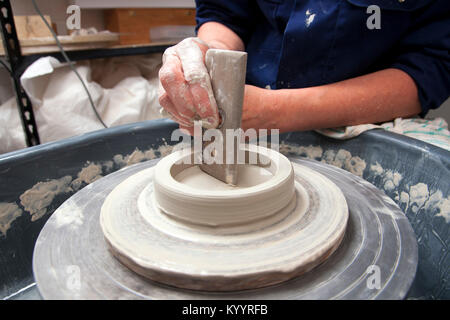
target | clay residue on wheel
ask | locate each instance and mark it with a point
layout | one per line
(37, 199)
(340, 158)
(9, 211)
(415, 197)
(41, 195)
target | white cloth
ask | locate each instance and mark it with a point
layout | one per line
(124, 90)
(433, 131)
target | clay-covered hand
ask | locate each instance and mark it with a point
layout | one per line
(185, 91)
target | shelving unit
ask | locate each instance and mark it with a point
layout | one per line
(19, 63)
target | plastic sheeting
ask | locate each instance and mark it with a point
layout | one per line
(124, 90)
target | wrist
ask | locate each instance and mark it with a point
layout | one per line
(217, 44)
(219, 36)
(259, 110)
(295, 109)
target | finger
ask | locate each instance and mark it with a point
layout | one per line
(169, 107)
(172, 80)
(205, 104)
(175, 117)
(201, 44)
(164, 101)
(168, 52)
(192, 59)
(191, 52)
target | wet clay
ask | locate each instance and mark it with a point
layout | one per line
(177, 226)
(249, 176)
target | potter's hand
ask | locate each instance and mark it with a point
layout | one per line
(185, 90)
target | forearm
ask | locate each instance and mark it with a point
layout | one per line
(218, 36)
(377, 97)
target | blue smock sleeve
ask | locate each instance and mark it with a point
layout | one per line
(238, 15)
(424, 54)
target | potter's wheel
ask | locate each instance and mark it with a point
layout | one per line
(193, 237)
(72, 259)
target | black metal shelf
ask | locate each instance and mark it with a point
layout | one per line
(87, 54)
(19, 63)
